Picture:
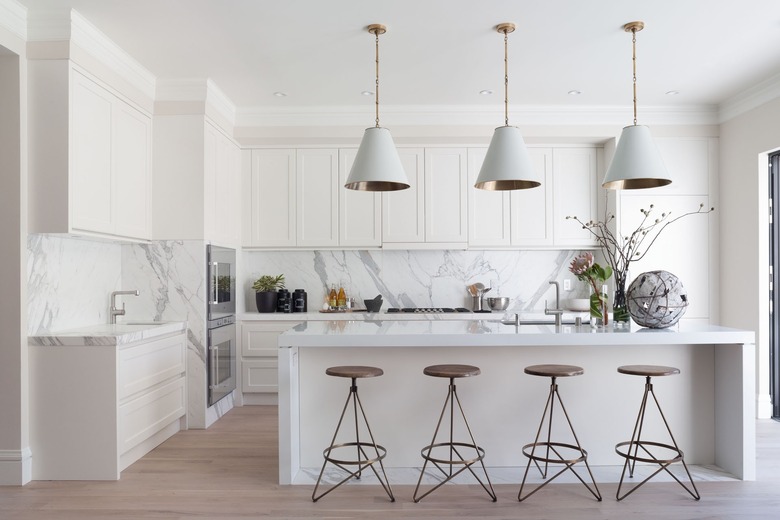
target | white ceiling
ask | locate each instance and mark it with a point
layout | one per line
(444, 52)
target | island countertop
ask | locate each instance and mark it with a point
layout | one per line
(383, 333)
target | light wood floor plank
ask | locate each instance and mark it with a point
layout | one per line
(230, 471)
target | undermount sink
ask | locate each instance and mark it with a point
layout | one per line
(540, 322)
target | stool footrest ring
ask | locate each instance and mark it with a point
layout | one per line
(653, 460)
(528, 451)
(352, 462)
(453, 445)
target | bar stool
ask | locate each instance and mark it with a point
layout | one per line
(636, 442)
(362, 460)
(455, 457)
(558, 449)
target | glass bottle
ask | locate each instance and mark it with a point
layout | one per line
(341, 299)
(332, 297)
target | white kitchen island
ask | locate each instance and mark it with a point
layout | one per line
(710, 405)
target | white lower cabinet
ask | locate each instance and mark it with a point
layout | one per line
(259, 355)
(96, 409)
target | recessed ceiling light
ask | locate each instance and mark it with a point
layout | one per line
(672, 92)
(367, 93)
(280, 94)
(485, 92)
(575, 92)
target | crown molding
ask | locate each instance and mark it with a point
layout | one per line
(189, 94)
(13, 17)
(93, 41)
(749, 99)
(473, 115)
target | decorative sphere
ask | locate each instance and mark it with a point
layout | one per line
(656, 299)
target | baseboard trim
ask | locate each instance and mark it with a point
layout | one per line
(15, 467)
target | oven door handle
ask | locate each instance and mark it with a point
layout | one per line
(214, 283)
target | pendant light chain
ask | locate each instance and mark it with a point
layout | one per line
(376, 101)
(506, 79)
(633, 59)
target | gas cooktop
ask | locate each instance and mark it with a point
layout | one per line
(427, 309)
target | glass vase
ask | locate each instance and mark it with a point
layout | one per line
(599, 314)
(621, 319)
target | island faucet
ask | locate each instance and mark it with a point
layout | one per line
(557, 311)
(114, 312)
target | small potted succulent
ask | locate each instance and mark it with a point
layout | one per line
(266, 287)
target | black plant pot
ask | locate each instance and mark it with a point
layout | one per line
(266, 301)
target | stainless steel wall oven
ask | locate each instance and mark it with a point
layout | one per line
(221, 322)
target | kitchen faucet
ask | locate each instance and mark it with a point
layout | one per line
(557, 311)
(119, 312)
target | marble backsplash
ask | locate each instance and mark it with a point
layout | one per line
(69, 281)
(418, 278)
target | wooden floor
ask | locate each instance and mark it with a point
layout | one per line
(230, 471)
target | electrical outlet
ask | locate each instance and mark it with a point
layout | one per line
(566, 284)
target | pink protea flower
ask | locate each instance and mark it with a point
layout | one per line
(581, 263)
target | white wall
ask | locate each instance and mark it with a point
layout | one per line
(745, 140)
(14, 436)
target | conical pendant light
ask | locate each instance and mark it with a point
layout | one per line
(507, 165)
(637, 162)
(377, 166)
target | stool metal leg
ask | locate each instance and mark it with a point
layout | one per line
(362, 460)
(636, 443)
(450, 401)
(553, 446)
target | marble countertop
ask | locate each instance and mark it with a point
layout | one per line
(432, 333)
(108, 334)
(401, 316)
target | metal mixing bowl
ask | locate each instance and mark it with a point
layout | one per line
(498, 303)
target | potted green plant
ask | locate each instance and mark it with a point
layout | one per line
(265, 295)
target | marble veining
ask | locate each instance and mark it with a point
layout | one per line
(107, 334)
(418, 278)
(69, 281)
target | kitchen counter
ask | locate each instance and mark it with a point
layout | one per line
(402, 316)
(108, 334)
(710, 404)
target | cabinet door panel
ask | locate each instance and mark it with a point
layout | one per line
(682, 249)
(532, 209)
(403, 213)
(91, 156)
(445, 195)
(360, 212)
(488, 210)
(317, 198)
(575, 181)
(131, 171)
(272, 192)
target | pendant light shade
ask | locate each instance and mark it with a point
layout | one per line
(377, 166)
(507, 165)
(637, 163)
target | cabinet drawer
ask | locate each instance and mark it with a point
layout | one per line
(260, 339)
(259, 376)
(144, 416)
(148, 364)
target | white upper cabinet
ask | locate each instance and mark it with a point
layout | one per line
(270, 210)
(90, 170)
(221, 176)
(575, 193)
(433, 211)
(403, 212)
(531, 209)
(489, 213)
(446, 206)
(360, 212)
(536, 217)
(317, 197)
